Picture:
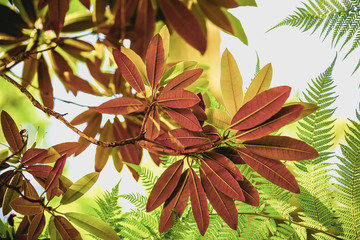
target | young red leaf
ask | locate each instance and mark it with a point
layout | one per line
(250, 193)
(226, 163)
(40, 171)
(53, 179)
(165, 185)
(155, 60)
(281, 148)
(223, 205)
(66, 229)
(198, 202)
(183, 80)
(222, 179)
(185, 118)
(274, 171)
(214, 13)
(176, 203)
(285, 116)
(33, 156)
(152, 125)
(122, 105)
(44, 80)
(58, 150)
(178, 99)
(260, 108)
(26, 207)
(11, 132)
(129, 71)
(57, 12)
(36, 226)
(184, 23)
(102, 153)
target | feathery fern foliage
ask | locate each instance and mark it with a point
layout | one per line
(339, 19)
(348, 196)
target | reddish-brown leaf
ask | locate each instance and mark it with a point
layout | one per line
(185, 118)
(29, 189)
(11, 22)
(58, 150)
(129, 71)
(198, 202)
(86, 3)
(223, 205)
(33, 156)
(211, 132)
(285, 116)
(226, 3)
(214, 13)
(45, 86)
(183, 80)
(165, 185)
(29, 69)
(231, 154)
(185, 23)
(57, 12)
(66, 229)
(97, 74)
(156, 158)
(155, 60)
(152, 125)
(281, 148)
(122, 105)
(36, 226)
(274, 171)
(222, 179)
(226, 163)
(75, 84)
(53, 179)
(41, 171)
(250, 193)
(92, 128)
(199, 112)
(178, 99)
(10, 194)
(26, 207)
(176, 203)
(84, 117)
(103, 153)
(11, 132)
(260, 108)
(22, 229)
(158, 148)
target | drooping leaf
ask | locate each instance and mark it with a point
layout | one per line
(181, 138)
(45, 86)
(92, 225)
(36, 226)
(237, 27)
(23, 228)
(274, 171)
(285, 116)
(26, 207)
(79, 188)
(29, 69)
(281, 148)
(57, 12)
(53, 178)
(155, 60)
(152, 125)
(223, 205)
(122, 105)
(219, 118)
(178, 99)
(102, 153)
(222, 179)
(183, 80)
(40, 171)
(260, 83)
(185, 118)
(66, 229)
(97, 74)
(165, 185)
(53, 232)
(214, 13)
(92, 128)
(231, 83)
(75, 84)
(129, 71)
(11, 132)
(260, 108)
(250, 193)
(10, 194)
(29, 189)
(58, 150)
(33, 156)
(185, 23)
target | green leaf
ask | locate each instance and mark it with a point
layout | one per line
(237, 27)
(246, 3)
(260, 83)
(176, 70)
(93, 225)
(79, 188)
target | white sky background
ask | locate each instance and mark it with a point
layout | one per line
(296, 58)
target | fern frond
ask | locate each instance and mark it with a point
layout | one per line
(148, 179)
(289, 232)
(137, 199)
(349, 183)
(259, 228)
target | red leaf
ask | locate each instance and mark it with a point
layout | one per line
(41, 171)
(66, 229)
(250, 193)
(23, 228)
(260, 108)
(122, 105)
(285, 116)
(58, 150)
(57, 12)
(178, 99)
(226, 3)
(225, 163)
(155, 60)
(46, 89)
(176, 203)
(211, 132)
(274, 171)
(102, 154)
(158, 148)
(33, 156)
(92, 128)
(36, 226)
(29, 69)
(185, 118)
(165, 185)
(231, 154)
(222, 179)
(11, 132)
(156, 158)
(281, 148)
(198, 202)
(223, 205)
(183, 80)
(129, 71)
(26, 207)
(75, 84)
(152, 125)
(86, 3)
(53, 179)
(29, 189)
(97, 74)
(184, 23)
